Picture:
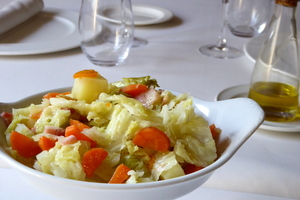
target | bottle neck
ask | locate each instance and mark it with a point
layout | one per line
(281, 35)
(285, 14)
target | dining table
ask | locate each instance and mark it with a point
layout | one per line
(266, 167)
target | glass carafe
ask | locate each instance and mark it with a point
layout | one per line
(275, 78)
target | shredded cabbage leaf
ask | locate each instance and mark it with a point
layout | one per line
(114, 120)
(63, 161)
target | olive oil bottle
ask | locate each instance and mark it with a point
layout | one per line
(275, 77)
(278, 100)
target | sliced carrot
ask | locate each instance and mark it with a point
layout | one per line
(190, 168)
(36, 115)
(25, 146)
(152, 138)
(215, 132)
(54, 94)
(46, 143)
(134, 89)
(92, 159)
(79, 124)
(86, 73)
(8, 117)
(120, 175)
(74, 130)
(76, 127)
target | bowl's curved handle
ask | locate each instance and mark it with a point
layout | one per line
(6, 107)
(3, 107)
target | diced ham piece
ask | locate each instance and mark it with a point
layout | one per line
(148, 98)
(69, 140)
(54, 130)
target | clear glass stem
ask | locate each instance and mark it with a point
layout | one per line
(221, 50)
(222, 38)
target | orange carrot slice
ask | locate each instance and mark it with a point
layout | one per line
(152, 138)
(120, 175)
(54, 94)
(74, 130)
(214, 132)
(86, 73)
(46, 143)
(25, 146)
(36, 115)
(134, 89)
(8, 117)
(79, 124)
(92, 159)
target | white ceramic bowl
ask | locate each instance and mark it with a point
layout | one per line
(238, 119)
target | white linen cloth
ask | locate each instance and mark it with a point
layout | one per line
(17, 12)
(266, 167)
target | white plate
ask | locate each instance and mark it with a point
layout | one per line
(50, 30)
(242, 91)
(143, 15)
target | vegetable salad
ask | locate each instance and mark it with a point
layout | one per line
(124, 132)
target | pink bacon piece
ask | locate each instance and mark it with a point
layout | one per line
(54, 130)
(148, 98)
(69, 140)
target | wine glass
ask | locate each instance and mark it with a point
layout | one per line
(103, 41)
(138, 41)
(248, 18)
(221, 49)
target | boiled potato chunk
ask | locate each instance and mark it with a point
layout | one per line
(88, 89)
(174, 172)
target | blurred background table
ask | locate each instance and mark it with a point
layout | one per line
(266, 167)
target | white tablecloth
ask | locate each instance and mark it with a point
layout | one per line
(266, 167)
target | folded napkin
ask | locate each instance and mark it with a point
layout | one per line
(17, 12)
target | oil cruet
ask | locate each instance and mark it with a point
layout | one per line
(275, 77)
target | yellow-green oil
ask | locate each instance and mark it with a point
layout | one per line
(278, 100)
